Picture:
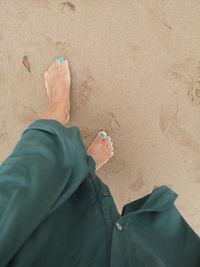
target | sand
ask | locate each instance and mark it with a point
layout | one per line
(135, 73)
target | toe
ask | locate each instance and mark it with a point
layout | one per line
(63, 61)
(56, 65)
(66, 62)
(107, 139)
(110, 146)
(57, 61)
(101, 136)
(65, 66)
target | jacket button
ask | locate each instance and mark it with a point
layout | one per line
(106, 194)
(119, 227)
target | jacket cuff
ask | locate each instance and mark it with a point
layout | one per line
(73, 133)
(48, 125)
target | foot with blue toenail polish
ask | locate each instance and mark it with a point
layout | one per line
(58, 81)
(101, 149)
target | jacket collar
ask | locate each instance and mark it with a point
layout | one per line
(160, 199)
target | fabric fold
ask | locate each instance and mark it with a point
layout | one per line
(160, 199)
(29, 194)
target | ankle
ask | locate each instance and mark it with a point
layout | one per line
(58, 106)
(56, 111)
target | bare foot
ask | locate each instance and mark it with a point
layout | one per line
(57, 82)
(101, 149)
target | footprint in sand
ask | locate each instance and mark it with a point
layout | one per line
(171, 74)
(116, 165)
(86, 90)
(25, 114)
(83, 94)
(194, 91)
(170, 125)
(60, 45)
(188, 72)
(138, 182)
(109, 122)
(178, 71)
(113, 122)
(167, 112)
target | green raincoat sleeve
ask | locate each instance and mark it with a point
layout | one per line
(56, 161)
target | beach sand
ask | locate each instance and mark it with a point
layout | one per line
(135, 73)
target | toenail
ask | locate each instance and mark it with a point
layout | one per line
(62, 59)
(102, 135)
(111, 142)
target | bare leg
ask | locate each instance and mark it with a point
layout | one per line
(57, 81)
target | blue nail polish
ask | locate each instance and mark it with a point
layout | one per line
(62, 59)
(102, 135)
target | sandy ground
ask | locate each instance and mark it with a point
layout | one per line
(135, 73)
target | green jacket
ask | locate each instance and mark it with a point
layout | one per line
(56, 212)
